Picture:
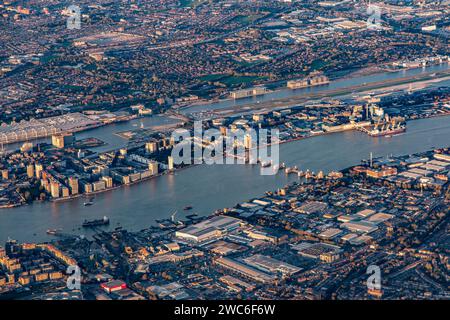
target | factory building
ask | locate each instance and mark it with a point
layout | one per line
(209, 229)
(245, 270)
(271, 265)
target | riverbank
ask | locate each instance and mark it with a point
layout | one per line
(287, 141)
(211, 187)
(93, 193)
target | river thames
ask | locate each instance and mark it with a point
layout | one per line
(207, 188)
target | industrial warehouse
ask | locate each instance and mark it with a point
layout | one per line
(41, 128)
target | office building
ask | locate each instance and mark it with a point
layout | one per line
(65, 192)
(153, 167)
(151, 147)
(99, 185)
(108, 181)
(170, 161)
(54, 187)
(63, 139)
(30, 171)
(38, 168)
(256, 91)
(73, 184)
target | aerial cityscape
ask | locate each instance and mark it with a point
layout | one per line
(225, 150)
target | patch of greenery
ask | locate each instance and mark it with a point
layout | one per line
(248, 19)
(239, 80)
(212, 77)
(191, 3)
(318, 65)
(231, 80)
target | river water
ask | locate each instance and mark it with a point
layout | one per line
(208, 188)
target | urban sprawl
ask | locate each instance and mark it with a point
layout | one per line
(268, 65)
